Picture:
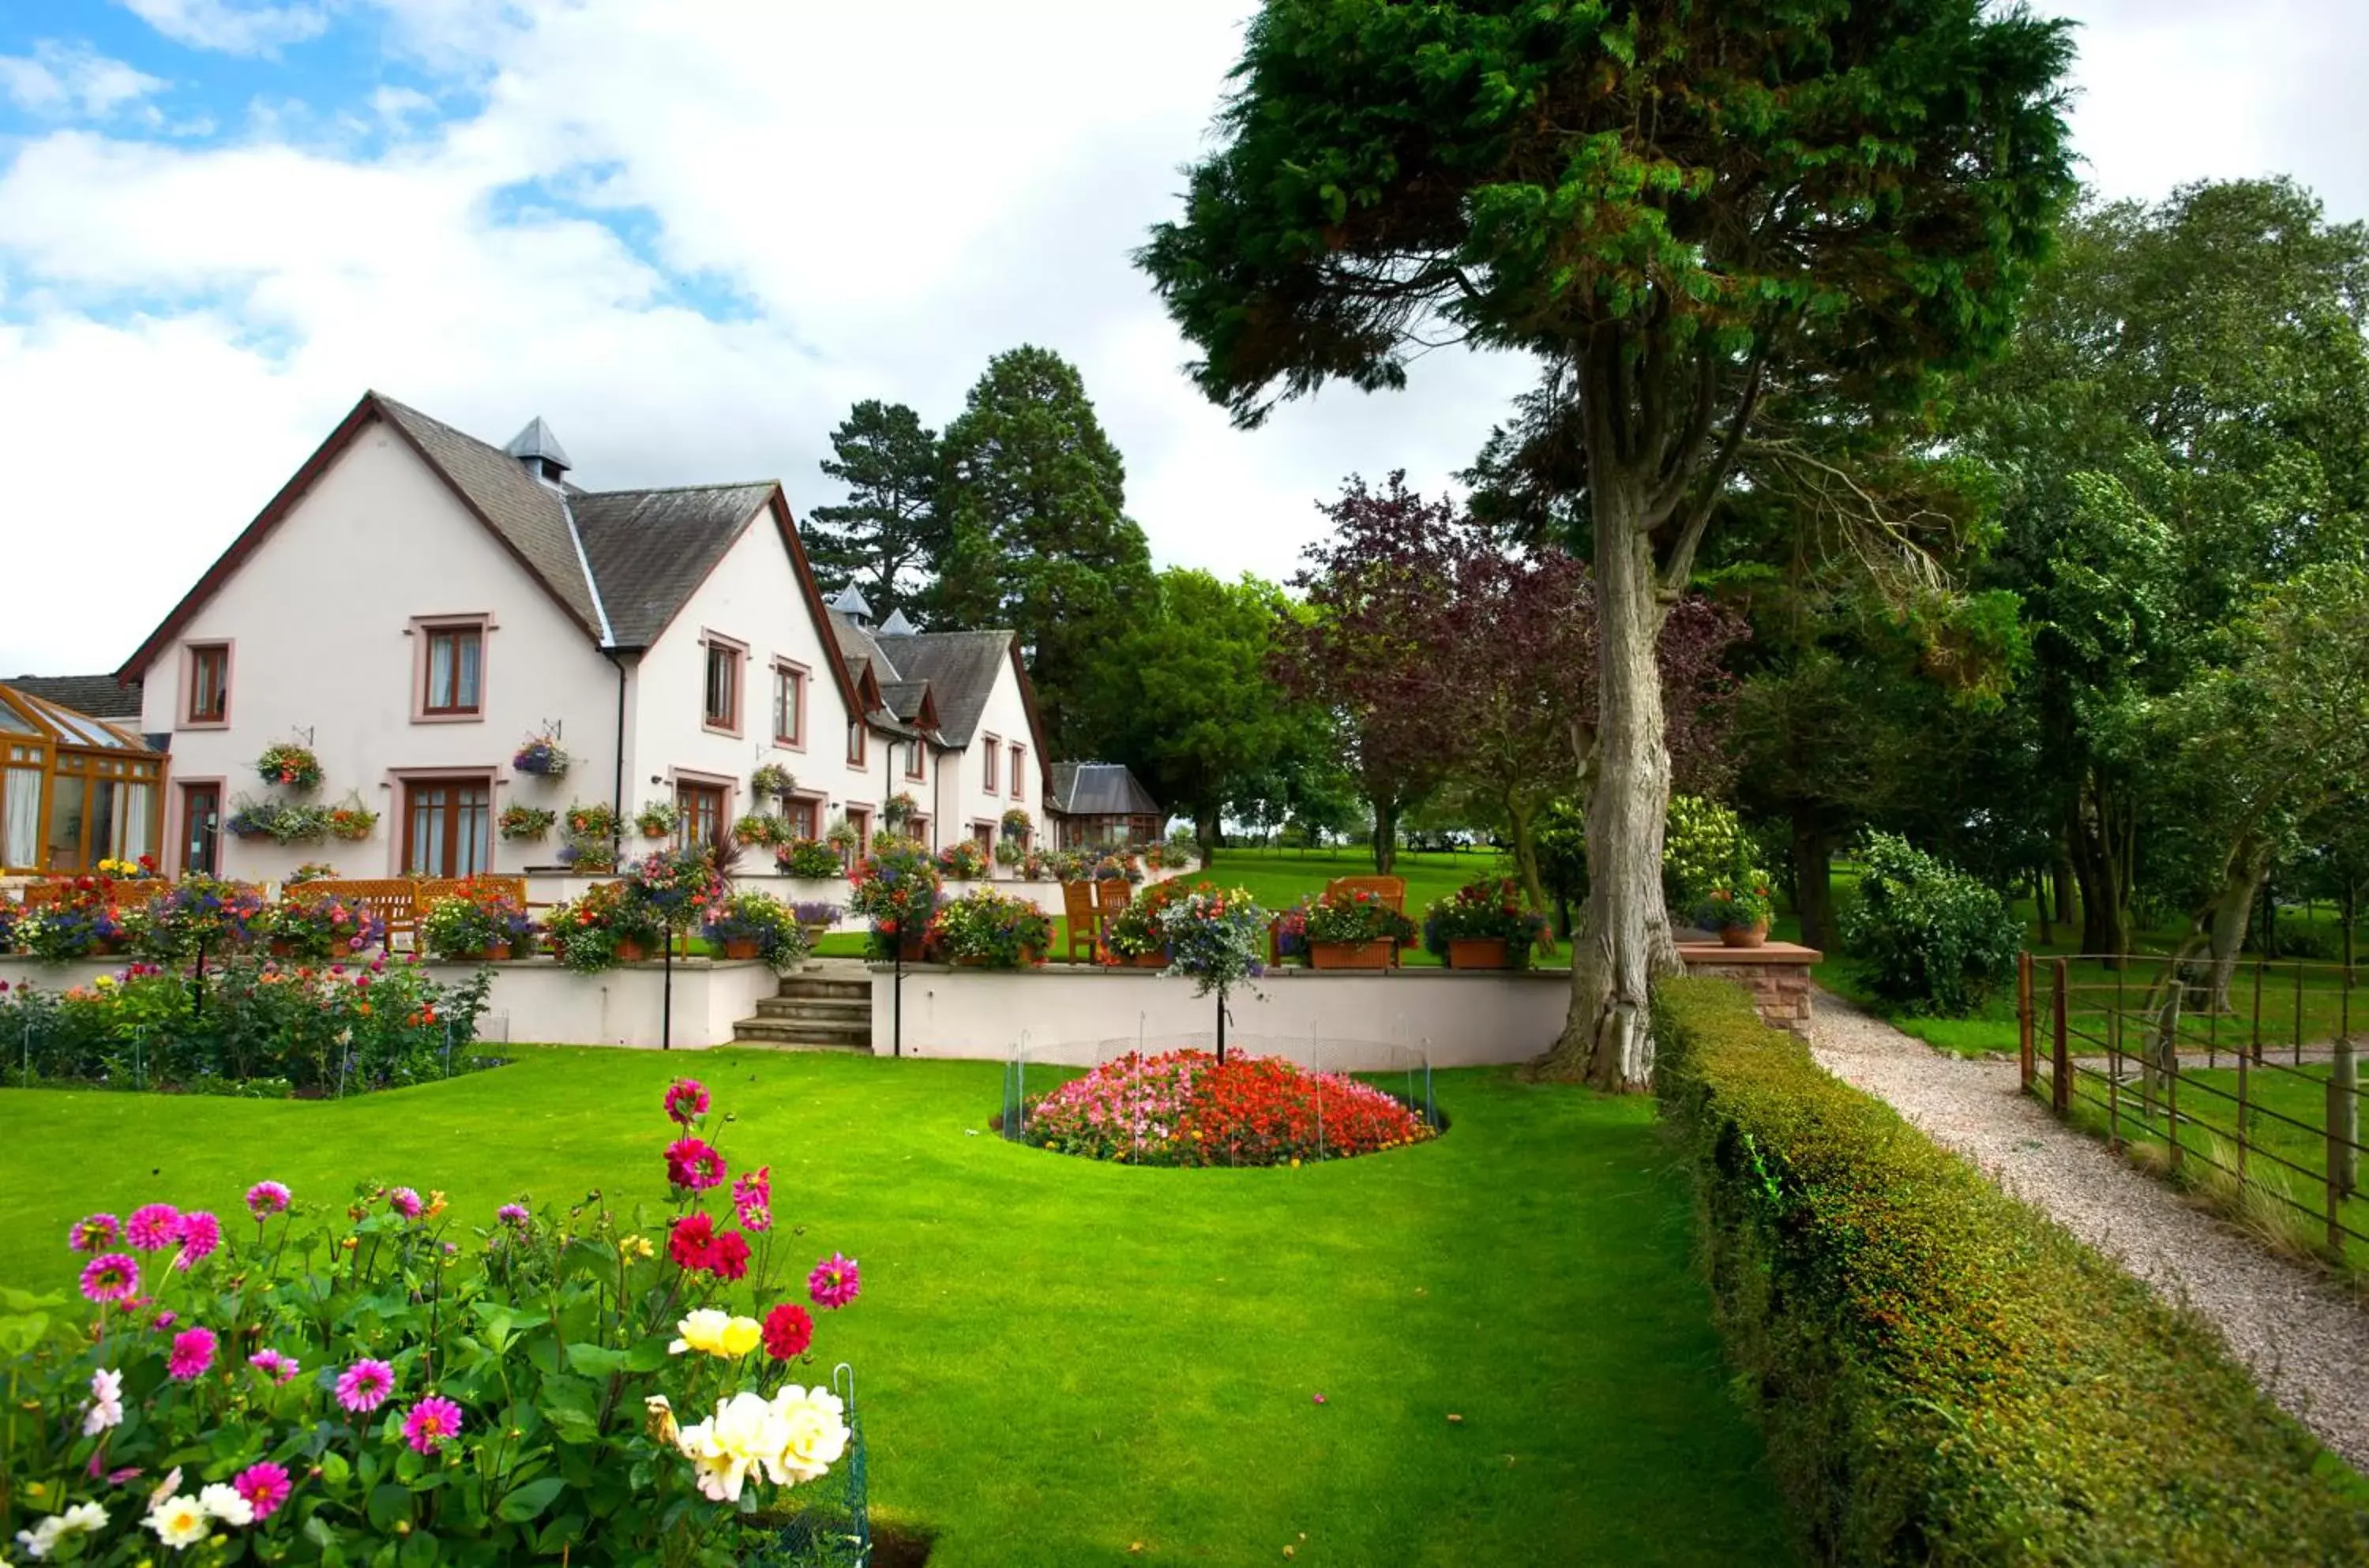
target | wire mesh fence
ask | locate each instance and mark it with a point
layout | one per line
(832, 1524)
(2240, 1077)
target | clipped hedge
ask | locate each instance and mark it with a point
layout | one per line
(1944, 1375)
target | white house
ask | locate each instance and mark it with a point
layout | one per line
(414, 604)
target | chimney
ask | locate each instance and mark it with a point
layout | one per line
(539, 449)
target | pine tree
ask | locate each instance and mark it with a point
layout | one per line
(890, 539)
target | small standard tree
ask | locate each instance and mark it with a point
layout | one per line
(1668, 203)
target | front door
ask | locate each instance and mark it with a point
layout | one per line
(702, 807)
(448, 828)
(201, 828)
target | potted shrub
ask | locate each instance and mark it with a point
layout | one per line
(1354, 929)
(755, 926)
(1017, 824)
(814, 920)
(658, 819)
(525, 824)
(988, 930)
(289, 766)
(596, 820)
(897, 888)
(842, 836)
(811, 859)
(479, 922)
(1034, 864)
(962, 861)
(1007, 854)
(772, 782)
(315, 928)
(1135, 938)
(1213, 940)
(311, 871)
(603, 928)
(542, 757)
(1482, 925)
(674, 885)
(1738, 907)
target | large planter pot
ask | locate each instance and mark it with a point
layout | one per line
(1349, 955)
(1148, 961)
(740, 948)
(1744, 935)
(1478, 953)
(814, 933)
(633, 950)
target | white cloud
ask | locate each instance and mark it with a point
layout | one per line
(866, 201)
(58, 79)
(229, 27)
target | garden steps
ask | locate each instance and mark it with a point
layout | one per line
(821, 1007)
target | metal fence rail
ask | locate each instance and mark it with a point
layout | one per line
(2246, 1072)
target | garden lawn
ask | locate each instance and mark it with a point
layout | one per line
(1061, 1360)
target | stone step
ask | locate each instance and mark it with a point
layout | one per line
(827, 1008)
(784, 1034)
(818, 986)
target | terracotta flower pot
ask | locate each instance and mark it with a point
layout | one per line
(631, 950)
(499, 953)
(1349, 955)
(648, 832)
(740, 948)
(1744, 935)
(1148, 961)
(1478, 953)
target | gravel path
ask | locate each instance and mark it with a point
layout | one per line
(2307, 1340)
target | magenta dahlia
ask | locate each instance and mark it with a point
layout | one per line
(94, 1232)
(686, 1101)
(153, 1227)
(110, 1277)
(431, 1423)
(693, 1164)
(364, 1386)
(193, 1352)
(834, 1282)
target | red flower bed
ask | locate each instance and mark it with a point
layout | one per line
(1182, 1108)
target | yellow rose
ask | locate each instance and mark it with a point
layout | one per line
(716, 1332)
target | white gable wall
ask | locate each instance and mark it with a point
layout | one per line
(320, 620)
(1007, 719)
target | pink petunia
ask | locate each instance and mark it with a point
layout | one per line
(200, 1233)
(267, 1198)
(265, 1487)
(432, 1423)
(153, 1227)
(275, 1365)
(686, 1101)
(94, 1232)
(834, 1282)
(110, 1277)
(364, 1386)
(193, 1352)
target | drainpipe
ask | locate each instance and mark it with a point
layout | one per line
(617, 786)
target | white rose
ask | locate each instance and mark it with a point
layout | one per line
(814, 1431)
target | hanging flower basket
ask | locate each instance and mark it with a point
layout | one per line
(774, 781)
(289, 766)
(542, 757)
(522, 824)
(658, 819)
(353, 822)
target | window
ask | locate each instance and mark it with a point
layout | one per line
(448, 827)
(723, 709)
(701, 808)
(860, 819)
(913, 769)
(789, 706)
(855, 743)
(993, 781)
(201, 828)
(983, 835)
(456, 671)
(1019, 773)
(804, 815)
(209, 695)
(918, 830)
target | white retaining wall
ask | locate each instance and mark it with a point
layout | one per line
(552, 887)
(1069, 1013)
(545, 1003)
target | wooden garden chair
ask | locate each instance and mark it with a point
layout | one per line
(1085, 921)
(1390, 890)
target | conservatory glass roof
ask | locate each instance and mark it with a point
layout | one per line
(23, 714)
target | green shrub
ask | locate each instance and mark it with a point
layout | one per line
(1703, 842)
(1929, 938)
(1944, 1376)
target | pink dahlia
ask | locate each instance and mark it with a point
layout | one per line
(693, 1245)
(405, 1202)
(275, 1365)
(94, 1232)
(193, 1352)
(265, 1487)
(686, 1101)
(427, 1424)
(267, 1198)
(752, 1200)
(834, 1282)
(153, 1226)
(728, 1259)
(364, 1386)
(694, 1164)
(110, 1277)
(199, 1234)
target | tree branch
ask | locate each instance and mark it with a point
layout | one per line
(1682, 554)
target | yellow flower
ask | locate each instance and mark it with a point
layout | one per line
(716, 1334)
(815, 1430)
(744, 1434)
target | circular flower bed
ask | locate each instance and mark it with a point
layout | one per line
(1182, 1108)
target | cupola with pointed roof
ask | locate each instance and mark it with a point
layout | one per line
(539, 449)
(897, 625)
(851, 604)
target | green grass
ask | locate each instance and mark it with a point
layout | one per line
(1060, 1359)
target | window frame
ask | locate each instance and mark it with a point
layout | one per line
(720, 790)
(1019, 755)
(798, 676)
(991, 748)
(192, 658)
(182, 829)
(916, 762)
(736, 653)
(407, 783)
(424, 631)
(858, 743)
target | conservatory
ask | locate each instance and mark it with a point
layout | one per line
(74, 790)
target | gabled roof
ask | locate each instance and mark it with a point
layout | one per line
(960, 666)
(100, 696)
(649, 550)
(1101, 789)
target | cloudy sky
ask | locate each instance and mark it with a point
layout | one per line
(690, 232)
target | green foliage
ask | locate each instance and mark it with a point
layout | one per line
(889, 536)
(1738, 901)
(1944, 1376)
(993, 930)
(808, 858)
(583, 932)
(1036, 493)
(1703, 844)
(1927, 937)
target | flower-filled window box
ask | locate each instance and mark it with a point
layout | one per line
(525, 824)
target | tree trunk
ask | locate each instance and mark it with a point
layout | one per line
(1813, 883)
(1521, 818)
(2040, 905)
(2101, 841)
(1625, 944)
(1386, 834)
(1205, 832)
(2064, 872)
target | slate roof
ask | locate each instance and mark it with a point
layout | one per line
(650, 550)
(905, 697)
(960, 666)
(1101, 789)
(97, 695)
